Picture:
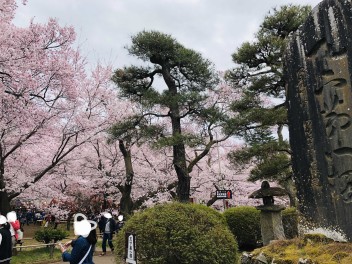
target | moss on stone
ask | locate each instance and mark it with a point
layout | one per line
(316, 247)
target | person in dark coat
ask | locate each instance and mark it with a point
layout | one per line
(82, 247)
(5, 241)
(108, 226)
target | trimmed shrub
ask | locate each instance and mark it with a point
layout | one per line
(179, 233)
(290, 222)
(47, 235)
(244, 223)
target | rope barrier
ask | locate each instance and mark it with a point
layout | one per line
(37, 245)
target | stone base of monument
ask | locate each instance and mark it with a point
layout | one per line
(271, 223)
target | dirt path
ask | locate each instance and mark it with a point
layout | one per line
(107, 259)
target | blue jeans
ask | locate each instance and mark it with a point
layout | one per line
(107, 237)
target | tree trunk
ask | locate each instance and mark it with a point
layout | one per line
(126, 203)
(179, 162)
(4, 203)
(288, 184)
(184, 181)
(291, 190)
(4, 198)
(179, 152)
(105, 203)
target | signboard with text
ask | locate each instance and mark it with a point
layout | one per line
(223, 194)
(131, 254)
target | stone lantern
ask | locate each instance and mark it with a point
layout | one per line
(270, 216)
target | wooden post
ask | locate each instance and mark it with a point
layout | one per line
(51, 248)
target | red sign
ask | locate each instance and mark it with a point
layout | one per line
(224, 194)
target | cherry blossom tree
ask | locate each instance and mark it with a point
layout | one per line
(54, 118)
(49, 105)
(131, 180)
(99, 170)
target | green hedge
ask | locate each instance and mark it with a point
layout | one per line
(179, 233)
(48, 234)
(244, 223)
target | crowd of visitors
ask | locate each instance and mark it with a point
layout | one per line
(31, 216)
(83, 247)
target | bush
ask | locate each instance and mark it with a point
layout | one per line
(244, 223)
(290, 222)
(179, 233)
(47, 235)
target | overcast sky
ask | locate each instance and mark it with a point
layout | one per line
(213, 27)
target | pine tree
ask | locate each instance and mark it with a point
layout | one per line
(262, 108)
(171, 108)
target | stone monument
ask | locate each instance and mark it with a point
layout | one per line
(318, 69)
(270, 214)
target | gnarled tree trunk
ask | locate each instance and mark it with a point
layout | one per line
(126, 203)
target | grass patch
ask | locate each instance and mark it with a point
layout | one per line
(38, 255)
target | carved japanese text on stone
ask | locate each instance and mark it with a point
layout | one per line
(318, 66)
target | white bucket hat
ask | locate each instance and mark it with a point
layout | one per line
(83, 227)
(11, 217)
(107, 215)
(3, 220)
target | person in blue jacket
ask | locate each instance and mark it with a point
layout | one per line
(82, 247)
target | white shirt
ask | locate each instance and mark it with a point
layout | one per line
(0, 238)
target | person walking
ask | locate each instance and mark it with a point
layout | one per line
(108, 225)
(28, 217)
(14, 226)
(5, 241)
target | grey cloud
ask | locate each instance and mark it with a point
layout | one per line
(214, 28)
